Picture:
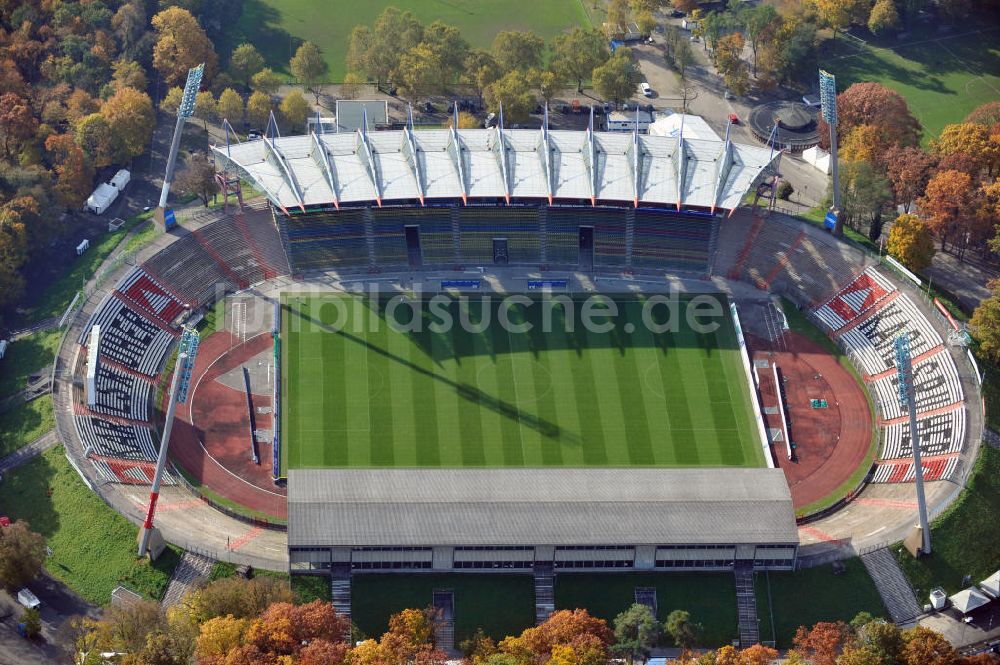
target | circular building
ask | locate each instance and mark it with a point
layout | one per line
(797, 124)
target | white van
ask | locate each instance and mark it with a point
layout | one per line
(646, 90)
(28, 599)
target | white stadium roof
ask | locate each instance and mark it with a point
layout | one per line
(401, 165)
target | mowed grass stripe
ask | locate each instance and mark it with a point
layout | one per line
(401, 377)
(424, 400)
(588, 406)
(603, 360)
(382, 423)
(646, 360)
(504, 360)
(334, 392)
(545, 442)
(678, 398)
(467, 397)
(633, 408)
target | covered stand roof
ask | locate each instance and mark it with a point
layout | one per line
(425, 507)
(401, 165)
(991, 585)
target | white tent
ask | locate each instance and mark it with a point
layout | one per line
(102, 197)
(695, 127)
(991, 585)
(817, 157)
(968, 600)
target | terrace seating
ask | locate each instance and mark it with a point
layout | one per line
(936, 385)
(143, 292)
(866, 291)
(672, 241)
(237, 254)
(120, 394)
(320, 241)
(940, 434)
(437, 244)
(478, 226)
(108, 439)
(190, 270)
(127, 472)
(905, 472)
(262, 230)
(563, 233)
(128, 338)
(873, 339)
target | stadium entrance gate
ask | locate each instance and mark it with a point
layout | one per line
(586, 247)
(413, 246)
(500, 256)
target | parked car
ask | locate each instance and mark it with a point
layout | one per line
(491, 120)
(28, 599)
(254, 135)
(733, 118)
(646, 90)
(677, 14)
(729, 95)
(428, 108)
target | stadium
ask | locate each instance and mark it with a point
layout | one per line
(319, 410)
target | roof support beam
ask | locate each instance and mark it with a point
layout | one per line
(414, 165)
(369, 158)
(681, 167)
(455, 152)
(636, 159)
(590, 159)
(250, 176)
(546, 146)
(275, 154)
(323, 160)
(723, 166)
(501, 146)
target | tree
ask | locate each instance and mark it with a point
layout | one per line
(619, 14)
(22, 551)
(351, 86)
(971, 139)
(245, 61)
(911, 242)
(549, 84)
(946, 204)
(874, 104)
(219, 636)
(518, 50)
(181, 44)
(172, 100)
(234, 596)
(908, 169)
(130, 116)
(862, 143)
(93, 135)
(838, 14)
(953, 10)
(759, 21)
(465, 121)
(821, 644)
(515, 92)
(576, 53)
(421, 73)
(681, 629)
(259, 109)
(881, 639)
(449, 47)
(265, 81)
(884, 17)
(74, 175)
(129, 24)
(985, 323)
(678, 51)
(206, 108)
(685, 6)
(230, 106)
(986, 114)
(481, 70)
(17, 121)
(645, 21)
(130, 624)
(589, 637)
(922, 646)
(729, 61)
(309, 67)
(295, 109)
(32, 620)
(618, 78)
(128, 74)
(865, 193)
(636, 632)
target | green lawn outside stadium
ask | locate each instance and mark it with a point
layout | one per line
(364, 396)
(277, 27)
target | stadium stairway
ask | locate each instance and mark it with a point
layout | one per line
(545, 594)
(746, 605)
(190, 569)
(443, 601)
(340, 589)
(892, 585)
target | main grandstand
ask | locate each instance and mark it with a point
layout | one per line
(505, 211)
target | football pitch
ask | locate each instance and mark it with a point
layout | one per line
(603, 381)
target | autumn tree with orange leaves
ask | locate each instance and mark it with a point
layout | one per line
(74, 175)
(947, 205)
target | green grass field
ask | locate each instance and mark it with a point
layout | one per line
(942, 77)
(93, 547)
(25, 423)
(363, 395)
(277, 27)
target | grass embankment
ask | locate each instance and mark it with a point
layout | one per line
(93, 547)
(278, 27)
(499, 604)
(799, 323)
(709, 597)
(54, 300)
(308, 588)
(25, 357)
(814, 594)
(25, 423)
(965, 538)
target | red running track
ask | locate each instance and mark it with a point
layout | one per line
(211, 437)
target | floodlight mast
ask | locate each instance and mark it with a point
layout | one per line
(184, 111)
(161, 460)
(907, 396)
(828, 102)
